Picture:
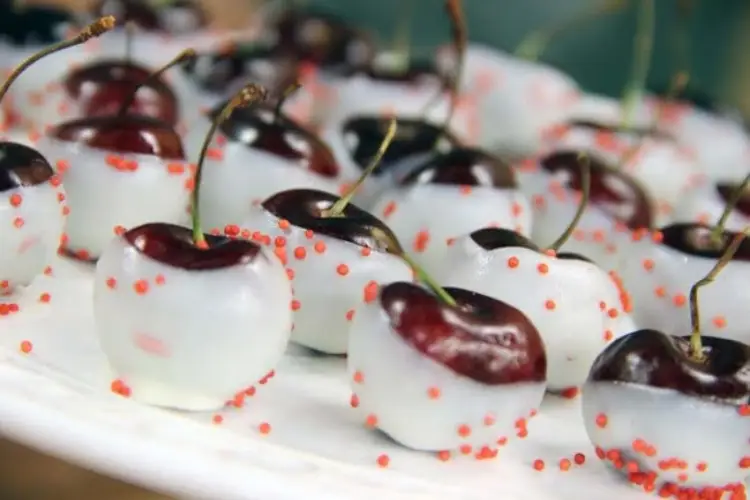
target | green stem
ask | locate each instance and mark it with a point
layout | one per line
(585, 165)
(423, 277)
(291, 89)
(718, 229)
(460, 36)
(338, 208)
(93, 30)
(696, 345)
(643, 46)
(249, 94)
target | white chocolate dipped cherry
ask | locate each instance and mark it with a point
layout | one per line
(32, 200)
(257, 152)
(709, 203)
(147, 276)
(642, 381)
(459, 373)
(448, 195)
(618, 204)
(575, 305)
(121, 171)
(356, 141)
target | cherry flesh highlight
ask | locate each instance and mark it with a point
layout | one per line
(654, 359)
(22, 166)
(306, 209)
(258, 128)
(173, 245)
(123, 134)
(463, 166)
(481, 338)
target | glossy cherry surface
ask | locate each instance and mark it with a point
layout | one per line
(463, 166)
(102, 87)
(322, 39)
(304, 208)
(726, 191)
(169, 17)
(33, 24)
(22, 166)
(493, 238)
(413, 137)
(173, 245)
(481, 338)
(602, 191)
(695, 239)
(123, 134)
(652, 358)
(256, 127)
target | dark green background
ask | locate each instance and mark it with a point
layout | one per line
(598, 55)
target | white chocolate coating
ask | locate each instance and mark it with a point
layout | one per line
(607, 111)
(198, 338)
(659, 279)
(563, 300)
(327, 294)
(244, 177)
(103, 198)
(706, 206)
(426, 217)
(396, 384)
(679, 427)
(30, 234)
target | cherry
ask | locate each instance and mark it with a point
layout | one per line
(481, 338)
(307, 208)
(174, 17)
(493, 238)
(697, 240)
(463, 166)
(22, 166)
(627, 196)
(365, 134)
(173, 245)
(262, 127)
(123, 134)
(322, 39)
(727, 191)
(33, 24)
(637, 131)
(102, 87)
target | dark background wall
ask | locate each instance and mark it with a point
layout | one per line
(598, 54)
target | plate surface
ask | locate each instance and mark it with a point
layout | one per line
(58, 398)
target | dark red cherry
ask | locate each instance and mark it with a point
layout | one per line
(123, 134)
(486, 340)
(22, 166)
(365, 135)
(695, 239)
(102, 87)
(304, 208)
(226, 71)
(655, 359)
(173, 17)
(256, 127)
(173, 245)
(603, 193)
(573, 256)
(463, 166)
(614, 129)
(726, 191)
(322, 39)
(492, 238)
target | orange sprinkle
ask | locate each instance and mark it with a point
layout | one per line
(140, 287)
(564, 464)
(283, 224)
(26, 346)
(354, 401)
(370, 291)
(264, 428)
(679, 300)
(550, 305)
(342, 269)
(579, 458)
(45, 297)
(513, 262)
(601, 420)
(217, 419)
(371, 420)
(319, 247)
(433, 393)
(464, 430)
(444, 455)
(539, 464)
(295, 305)
(300, 253)
(358, 377)
(542, 268)
(383, 461)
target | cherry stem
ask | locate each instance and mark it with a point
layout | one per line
(685, 9)
(249, 94)
(337, 210)
(585, 164)
(643, 46)
(402, 38)
(291, 89)
(130, 28)
(535, 43)
(460, 36)
(183, 57)
(696, 345)
(425, 278)
(735, 198)
(93, 30)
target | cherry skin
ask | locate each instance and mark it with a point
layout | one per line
(727, 190)
(22, 166)
(463, 166)
(150, 18)
(256, 127)
(654, 359)
(413, 137)
(481, 338)
(173, 245)
(601, 193)
(606, 127)
(494, 238)
(305, 208)
(323, 40)
(102, 87)
(123, 134)
(694, 239)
